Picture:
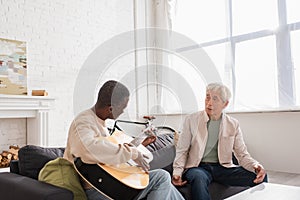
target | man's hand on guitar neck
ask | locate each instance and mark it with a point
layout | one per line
(143, 140)
(141, 162)
(147, 137)
(148, 140)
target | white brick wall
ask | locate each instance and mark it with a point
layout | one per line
(12, 132)
(60, 34)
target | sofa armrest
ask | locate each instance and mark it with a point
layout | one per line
(14, 186)
(14, 166)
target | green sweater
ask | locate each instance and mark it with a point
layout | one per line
(211, 149)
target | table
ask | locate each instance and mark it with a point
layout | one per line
(266, 191)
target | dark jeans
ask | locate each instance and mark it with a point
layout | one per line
(200, 177)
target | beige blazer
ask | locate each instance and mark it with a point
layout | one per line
(192, 142)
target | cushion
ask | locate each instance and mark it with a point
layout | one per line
(60, 172)
(33, 158)
(163, 157)
(161, 141)
(163, 151)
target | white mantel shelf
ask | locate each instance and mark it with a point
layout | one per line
(35, 109)
(11, 106)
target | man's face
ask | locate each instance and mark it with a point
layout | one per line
(214, 105)
(117, 110)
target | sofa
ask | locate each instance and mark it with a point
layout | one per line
(22, 180)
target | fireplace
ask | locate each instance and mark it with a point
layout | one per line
(35, 109)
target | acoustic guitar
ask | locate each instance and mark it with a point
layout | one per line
(122, 181)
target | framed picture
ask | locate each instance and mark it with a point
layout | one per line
(13, 68)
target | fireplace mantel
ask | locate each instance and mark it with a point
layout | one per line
(35, 109)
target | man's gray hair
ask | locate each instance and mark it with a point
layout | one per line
(221, 89)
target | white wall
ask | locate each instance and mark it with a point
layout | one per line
(272, 138)
(60, 34)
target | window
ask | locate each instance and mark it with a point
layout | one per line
(293, 14)
(217, 54)
(253, 15)
(201, 20)
(254, 46)
(295, 41)
(255, 70)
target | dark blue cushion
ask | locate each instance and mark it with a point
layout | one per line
(33, 158)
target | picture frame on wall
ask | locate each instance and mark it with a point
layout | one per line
(13, 67)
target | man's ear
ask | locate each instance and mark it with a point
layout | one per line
(110, 109)
(226, 104)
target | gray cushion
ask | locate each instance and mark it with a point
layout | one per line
(163, 151)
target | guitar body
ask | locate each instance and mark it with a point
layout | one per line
(104, 182)
(123, 181)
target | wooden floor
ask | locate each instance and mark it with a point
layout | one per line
(284, 178)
